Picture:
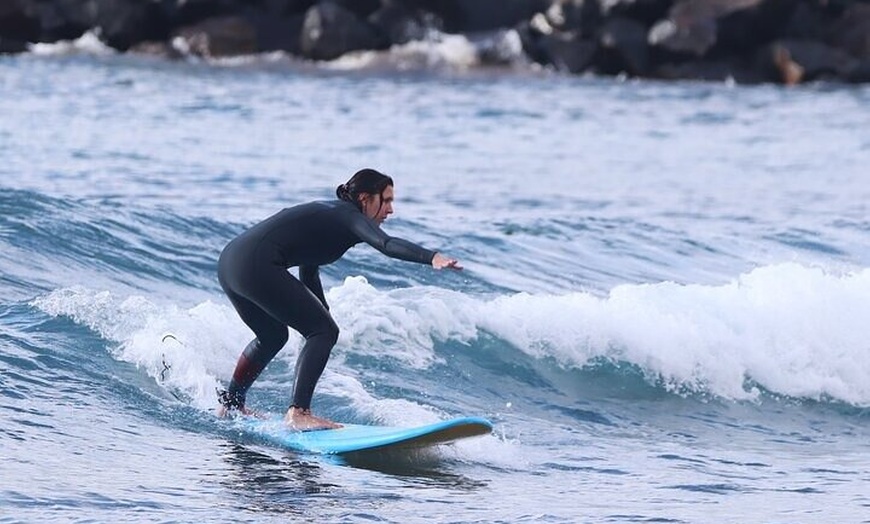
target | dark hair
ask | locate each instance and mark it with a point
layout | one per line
(363, 181)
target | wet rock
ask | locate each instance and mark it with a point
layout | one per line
(646, 12)
(469, 16)
(397, 24)
(623, 48)
(861, 73)
(851, 32)
(708, 70)
(569, 51)
(9, 46)
(795, 61)
(692, 25)
(61, 19)
(18, 22)
(742, 31)
(124, 23)
(217, 37)
(330, 31)
(190, 12)
(286, 7)
(277, 32)
(583, 16)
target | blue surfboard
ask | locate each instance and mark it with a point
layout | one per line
(352, 438)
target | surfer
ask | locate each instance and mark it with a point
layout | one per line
(253, 272)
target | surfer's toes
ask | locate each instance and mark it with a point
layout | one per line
(303, 420)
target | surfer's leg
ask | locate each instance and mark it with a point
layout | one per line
(271, 335)
(289, 302)
(296, 306)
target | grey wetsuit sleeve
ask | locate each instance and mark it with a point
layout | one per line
(369, 232)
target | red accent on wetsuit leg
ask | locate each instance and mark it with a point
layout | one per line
(246, 372)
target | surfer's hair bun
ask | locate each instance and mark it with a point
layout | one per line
(365, 181)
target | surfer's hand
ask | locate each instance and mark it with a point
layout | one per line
(439, 261)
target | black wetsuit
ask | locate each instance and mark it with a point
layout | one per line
(253, 272)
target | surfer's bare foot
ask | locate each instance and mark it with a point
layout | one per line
(302, 420)
(232, 405)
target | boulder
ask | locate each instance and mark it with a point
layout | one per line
(470, 16)
(217, 37)
(691, 27)
(851, 32)
(361, 8)
(742, 31)
(861, 73)
(646, 12)
(397, 24)
(190, 12)
(795, 61)
(330, 31)
(277, 32)
(286, 7)
(623, 48)
(124, 23)
(583, 16)
(18, 22)
(708, 70)
(9, 46)
(62, 19)
(569, 51)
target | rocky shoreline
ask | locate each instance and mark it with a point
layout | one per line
(749, 41)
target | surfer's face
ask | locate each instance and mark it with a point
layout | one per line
(378, 207)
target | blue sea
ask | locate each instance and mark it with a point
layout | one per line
(665, 307)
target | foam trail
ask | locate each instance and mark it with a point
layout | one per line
(203, 345)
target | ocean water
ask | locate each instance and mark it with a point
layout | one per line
(665, 309)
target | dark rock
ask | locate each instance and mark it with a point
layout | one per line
(809, 21)
(861, 73)
(623, 48)
(9, 46)
(742, 31)
(795, 61)
(19, 21)
(568, 51)
(277, 33)
(62, 19)
(361, 8)
(691, 27)
(646, 12)
(397, 24)
(707, 70)
(852, 31)
(124, 23)
(469, 16)
(218, 37)
(190, 12)
(330, 31)
(500, 48)
(583, 16)
(287, 7)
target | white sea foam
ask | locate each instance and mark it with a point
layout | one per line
(793, 330)
(89, 43)
(438, 51)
